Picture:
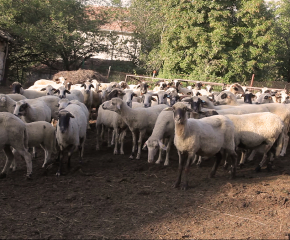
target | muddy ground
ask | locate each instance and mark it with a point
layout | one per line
(111, 196)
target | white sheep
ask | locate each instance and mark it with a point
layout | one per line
(71, 132)
(88, 94)
(43, 134)
(163, 129)
(30, 94)
(140, 120)
(13, 134)
(16, 97)
(71, 95)
(6, 103)
(204, 137)
(63, 103)
(256, 131)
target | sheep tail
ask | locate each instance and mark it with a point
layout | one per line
(279, 142)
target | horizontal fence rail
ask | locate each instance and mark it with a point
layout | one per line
(214, 84)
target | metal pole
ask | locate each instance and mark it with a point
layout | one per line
(252, 81)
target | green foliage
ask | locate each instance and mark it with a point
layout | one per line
(48, 30)
(210, 39)
(281, 40)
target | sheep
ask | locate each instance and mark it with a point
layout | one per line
(258, 130)
(140, 120)
(204, 137)
(173, 96)
(32, 110)
(63, 103)
(236, 88)
(147, 99)
(161, 96)
(30, 94)
(264, 98)
(160, 85)
(163, 129)
(88, 94)
(51, 102)
(113, 120)
(16, 97)
(6, 103)
(72, 95)
(71, 133)
(43, 134)
(13, 134)
(177, 85)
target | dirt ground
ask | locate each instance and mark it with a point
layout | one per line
(111, 196)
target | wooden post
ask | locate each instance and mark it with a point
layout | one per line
(252, 81)
(109, 72)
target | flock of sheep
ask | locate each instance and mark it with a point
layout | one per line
(202, 123)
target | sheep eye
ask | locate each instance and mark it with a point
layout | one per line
(14, 105)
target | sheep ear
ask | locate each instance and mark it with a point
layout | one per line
(67, 91)
(25, 105)
(70, 115)
(92, 86)
(162, 146)
(189, 109)
(168, 109)
(99, 91)
(3, 99)
(153, 99)
(56, 91)
(43, 89)
(135, 95)
(83, 85)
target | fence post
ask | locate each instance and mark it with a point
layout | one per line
(252, 81)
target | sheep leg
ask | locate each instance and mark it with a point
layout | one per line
(134, 137)
(271, 160)
(285, 144)
(9, 159)
(234, 158)
(60, 159)
(122, 136)
(34, 152)
(252, 155)
(98, 128)
(103, 132)
(216, 164)
(16, 156)
(159, 160)
(186, 170)
(243, 158)
(180, 169)
(141, 136)
(81, 149)
(108, 138)
(116, 135)
(267, 148)
(27, 156)
(168, 147)
(199, 161)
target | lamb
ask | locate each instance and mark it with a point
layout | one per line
(43, 134)
(72, 95)
(140, 120)
(71, 132)
(163, 129)
(204, 137)
(32, 110)
(13, 134)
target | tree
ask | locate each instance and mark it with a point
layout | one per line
(149, 23)
(48, 30)
(228, 39)
(281, 39)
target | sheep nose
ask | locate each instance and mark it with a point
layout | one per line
(128, 103)
(87, 91)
